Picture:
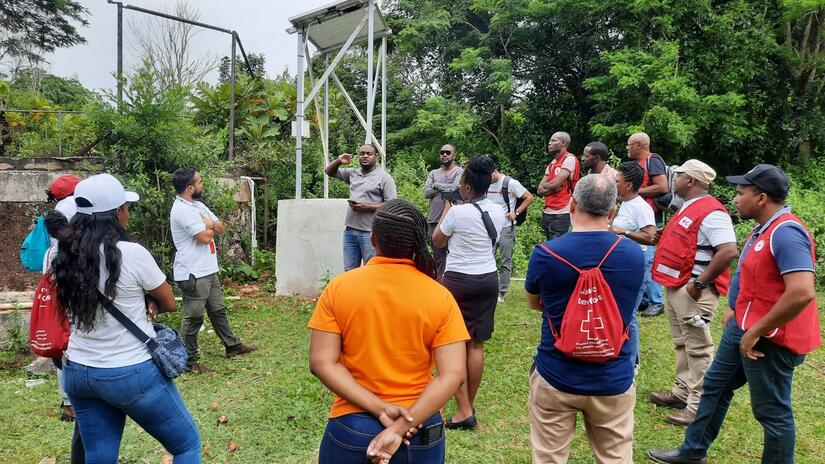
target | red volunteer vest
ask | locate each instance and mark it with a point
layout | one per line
(560, 199)
(646, 180)
(676, 252)
(761, 285)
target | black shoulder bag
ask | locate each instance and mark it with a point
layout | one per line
(488, 224)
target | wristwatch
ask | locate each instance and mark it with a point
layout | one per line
(626, 233)
(699, 284)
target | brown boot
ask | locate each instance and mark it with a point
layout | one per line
(237, 350)
(667, 400)
(683, 418)
(198, 368)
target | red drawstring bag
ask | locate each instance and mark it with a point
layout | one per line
(49, 326)
(592, 329)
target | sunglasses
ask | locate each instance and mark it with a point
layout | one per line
(445, 152)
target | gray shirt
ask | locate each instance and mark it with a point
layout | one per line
(376, 186)
(439, 180)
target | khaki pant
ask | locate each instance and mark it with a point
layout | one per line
(608, 421)
(694, 345)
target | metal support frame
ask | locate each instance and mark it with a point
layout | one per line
(299, 112)
(232, 100)
(236, 41)
(370, 77)
(325, 133)
(383, 102)
(375, 71)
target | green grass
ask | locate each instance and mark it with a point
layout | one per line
(277, 409)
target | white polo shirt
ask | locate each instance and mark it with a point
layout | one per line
(191, 257)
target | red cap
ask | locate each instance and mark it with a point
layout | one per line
(63, 186)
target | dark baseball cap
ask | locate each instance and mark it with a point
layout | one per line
(766, 177)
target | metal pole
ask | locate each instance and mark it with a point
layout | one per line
(370, 59)
(326, 127)
(232, 101)
(384, 101)
(119, 56)
(299, 114)
(59, 133)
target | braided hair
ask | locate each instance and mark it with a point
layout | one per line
(478, 173)
(401, 232)
(633, 173)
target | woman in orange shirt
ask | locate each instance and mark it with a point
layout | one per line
(376, 332)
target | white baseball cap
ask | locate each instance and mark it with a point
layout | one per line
(104, 192)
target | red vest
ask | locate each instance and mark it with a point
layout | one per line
(646, 180)
(676, 251)
(761, 285)
(560, 199)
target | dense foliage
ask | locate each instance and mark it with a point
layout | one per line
(732, 82)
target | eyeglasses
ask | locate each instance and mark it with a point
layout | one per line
(445, 152)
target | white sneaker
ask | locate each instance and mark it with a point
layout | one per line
(500, 298)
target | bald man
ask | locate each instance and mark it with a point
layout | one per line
(556, 187)
(654, 184)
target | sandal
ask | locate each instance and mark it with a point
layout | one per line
(67, 413)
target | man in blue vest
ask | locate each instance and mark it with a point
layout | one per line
(770, 326)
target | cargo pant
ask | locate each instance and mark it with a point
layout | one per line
(201, 295)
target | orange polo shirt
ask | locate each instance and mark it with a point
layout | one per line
(390, 317)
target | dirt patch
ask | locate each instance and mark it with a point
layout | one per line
(16, 219)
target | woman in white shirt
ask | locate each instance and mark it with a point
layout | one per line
(107, 372)
(635, 221)
(469, 231)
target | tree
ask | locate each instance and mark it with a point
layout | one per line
(166, 47)
(256, 61)
(31, 28)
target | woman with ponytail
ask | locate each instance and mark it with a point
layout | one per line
(469, 231)
(377, 330)
(108, 372)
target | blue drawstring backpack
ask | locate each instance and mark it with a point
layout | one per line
(35, 246)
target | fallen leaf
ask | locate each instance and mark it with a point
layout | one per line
(233, 447)
(166, 459)
(222, 420)
(213, 406)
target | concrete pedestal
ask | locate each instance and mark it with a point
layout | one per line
(309, 245)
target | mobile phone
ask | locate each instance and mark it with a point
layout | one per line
(352, 202)
(431, 434)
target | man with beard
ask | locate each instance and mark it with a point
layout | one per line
(441, 185)
(594, 159)
(556, 187)
(369, 188)
(194, 228)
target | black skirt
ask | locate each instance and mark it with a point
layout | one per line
(477, 296)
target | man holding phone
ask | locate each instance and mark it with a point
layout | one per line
(369, 188)
(441, 186)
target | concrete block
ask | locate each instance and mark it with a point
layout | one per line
(309, 244)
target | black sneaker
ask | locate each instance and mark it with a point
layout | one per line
(653, 310)
(672, 456)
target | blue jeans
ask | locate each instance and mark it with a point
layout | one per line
(769, 380)
(652, 291)
(357, 248)
(347, 437)
(103, 397)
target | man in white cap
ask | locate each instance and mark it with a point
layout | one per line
(692, 262)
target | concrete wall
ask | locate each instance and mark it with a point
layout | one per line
(310, 244)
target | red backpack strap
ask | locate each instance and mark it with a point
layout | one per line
(555, 255)
(615, 244)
